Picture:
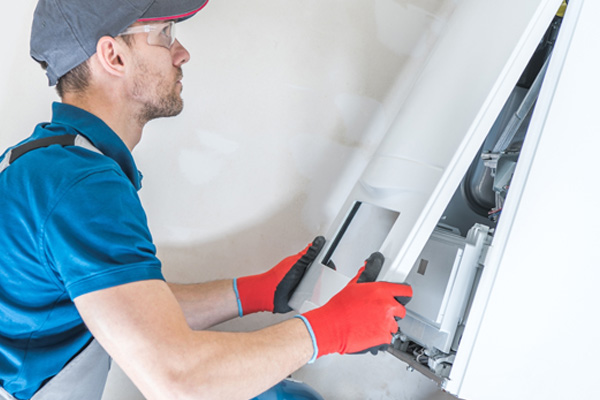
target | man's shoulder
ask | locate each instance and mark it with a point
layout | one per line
(63, 164)
(41, 177)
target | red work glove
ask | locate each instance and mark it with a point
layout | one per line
(361, 317)
(272, 290)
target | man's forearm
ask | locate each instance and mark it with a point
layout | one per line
(227, 365)
(206, 304)
(142, 327)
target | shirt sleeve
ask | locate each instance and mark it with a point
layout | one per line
(97, 236)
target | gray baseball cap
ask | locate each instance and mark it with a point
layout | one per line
(64, 33)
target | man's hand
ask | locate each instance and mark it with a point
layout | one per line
(272, 290)
(362, 316)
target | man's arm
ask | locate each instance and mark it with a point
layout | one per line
(142, 326)
(206, 304)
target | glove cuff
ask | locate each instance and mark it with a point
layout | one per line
(251, 294)
(324, 330)
(312, 338)
(237, 298)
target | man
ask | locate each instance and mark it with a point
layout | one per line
(79, 277)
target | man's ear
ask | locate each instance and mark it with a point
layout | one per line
(111, 55)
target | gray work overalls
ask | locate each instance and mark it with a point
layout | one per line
(84, 377)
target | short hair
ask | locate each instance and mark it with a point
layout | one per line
(74, 81)
(78, 79)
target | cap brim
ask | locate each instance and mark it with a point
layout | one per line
(172, 9)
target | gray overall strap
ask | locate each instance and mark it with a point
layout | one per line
(63, 140)
(84, 377)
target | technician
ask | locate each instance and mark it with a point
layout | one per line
(80, 282)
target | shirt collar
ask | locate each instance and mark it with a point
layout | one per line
(101, 136)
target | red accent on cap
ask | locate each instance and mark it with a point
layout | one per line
(173, 16)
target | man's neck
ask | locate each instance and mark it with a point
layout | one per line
(117, 116)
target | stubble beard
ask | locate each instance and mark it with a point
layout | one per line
(165, 99)
(163, 106)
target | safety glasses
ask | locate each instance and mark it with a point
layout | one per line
(162, 34)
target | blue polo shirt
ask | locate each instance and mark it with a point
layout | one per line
(71, 222)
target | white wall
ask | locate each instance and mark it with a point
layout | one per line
(285, 102)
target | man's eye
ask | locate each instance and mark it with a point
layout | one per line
(166, 31)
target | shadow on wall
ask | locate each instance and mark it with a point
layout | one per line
(252, 250)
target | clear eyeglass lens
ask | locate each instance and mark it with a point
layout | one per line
(163, 35)
(158, 34)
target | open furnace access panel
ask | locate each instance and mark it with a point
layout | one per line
(433, 195)
(447, 271)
